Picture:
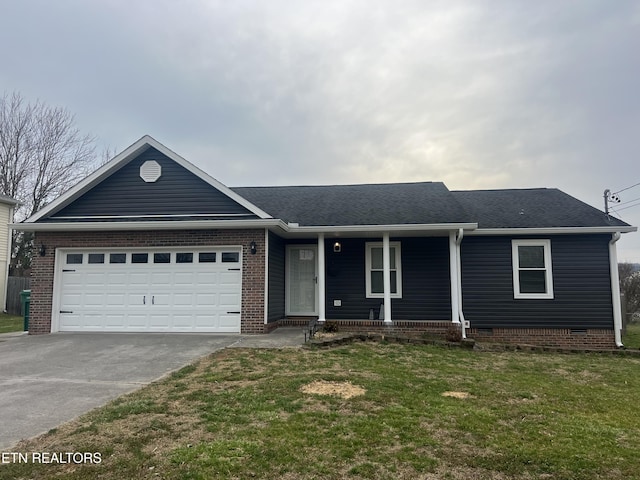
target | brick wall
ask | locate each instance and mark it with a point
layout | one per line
(551, 337)
(439, 329)
(252, 318)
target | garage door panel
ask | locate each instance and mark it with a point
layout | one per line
(183, 299)
(227, 322)
(136, 322)
(151, 297)
(94, 300)
(115, 299)
(230, 300)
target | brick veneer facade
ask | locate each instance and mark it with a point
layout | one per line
(550, 337)
(253, 266)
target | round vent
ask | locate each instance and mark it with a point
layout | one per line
(150, 171)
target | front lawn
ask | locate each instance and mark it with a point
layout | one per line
(364, 411)
(631, 338)
(11, 323)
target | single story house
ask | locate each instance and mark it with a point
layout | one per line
(150, 243)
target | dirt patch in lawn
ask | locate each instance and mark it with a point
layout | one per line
(344, 389)
(456, 394)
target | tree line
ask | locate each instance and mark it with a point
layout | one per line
(42, 154)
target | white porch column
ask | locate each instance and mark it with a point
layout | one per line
(321, 279)
(386, 266)
(453, 269)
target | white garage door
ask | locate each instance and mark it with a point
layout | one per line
(168, 290)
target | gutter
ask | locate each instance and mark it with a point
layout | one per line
(615, 289)
(459, 238)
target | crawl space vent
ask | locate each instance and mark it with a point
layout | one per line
(150, 171)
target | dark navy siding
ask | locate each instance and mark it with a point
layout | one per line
(582, 289)
(176, 192)
(276, 308)
(425, 281)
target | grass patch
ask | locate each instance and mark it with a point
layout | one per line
(11, 323)
(631, 338)
(422, 412)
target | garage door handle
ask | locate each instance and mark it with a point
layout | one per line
(153, 300)
(66, 311)
(144, 300)
(229, 313)
(233, 269)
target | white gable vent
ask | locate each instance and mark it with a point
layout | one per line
(150, 171)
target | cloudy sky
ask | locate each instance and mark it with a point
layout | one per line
(478, 94)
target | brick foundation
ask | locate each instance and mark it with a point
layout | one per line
(438, 329)
(252, 319)
(600, 339)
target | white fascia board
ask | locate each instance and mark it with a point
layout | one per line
(427, 227)
(123, 158)
(148, 225)
(551, 230)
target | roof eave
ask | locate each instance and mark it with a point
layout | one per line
(553, 230)
(149, 225)
(403, 227)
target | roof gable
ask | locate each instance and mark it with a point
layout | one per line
(117, 191)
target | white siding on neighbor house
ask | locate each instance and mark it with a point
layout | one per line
(4, 232)
(5, 242)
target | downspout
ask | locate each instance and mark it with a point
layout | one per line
(459, 266)
(615, 289)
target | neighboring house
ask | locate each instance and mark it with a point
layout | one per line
(7, 207)
(150, 243)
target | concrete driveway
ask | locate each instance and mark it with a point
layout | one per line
(47, 380)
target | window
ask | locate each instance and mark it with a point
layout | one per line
(74, 258)
(207, 257)
(139, 257)
(230, 257)
(532, 277)
(375, 272)
(161, 258)
(184, 257)
(117, 258)
(96, 258)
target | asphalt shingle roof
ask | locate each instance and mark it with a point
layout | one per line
(373, 204)
(531, 208)
(425, 203)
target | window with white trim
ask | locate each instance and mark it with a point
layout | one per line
(375, 270)
(532, 276)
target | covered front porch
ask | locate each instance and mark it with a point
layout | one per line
(401, 279)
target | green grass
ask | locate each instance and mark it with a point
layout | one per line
(242, 414)
(631, 338)
(11, 323)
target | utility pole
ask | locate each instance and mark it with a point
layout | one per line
(609, 197)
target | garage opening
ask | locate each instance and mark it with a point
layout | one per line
(149, 290)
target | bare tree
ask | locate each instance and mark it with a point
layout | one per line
(42, 154)
(629, 274)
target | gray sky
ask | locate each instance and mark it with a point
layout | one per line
(478, 94)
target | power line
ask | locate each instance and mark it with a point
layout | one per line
(628, 188)
(629, 201)
(629, 206)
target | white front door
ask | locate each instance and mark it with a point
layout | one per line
(302, 280)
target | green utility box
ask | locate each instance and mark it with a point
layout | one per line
(25, 299)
